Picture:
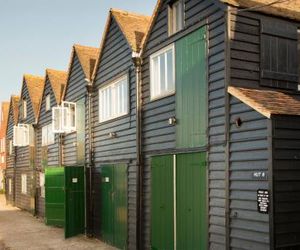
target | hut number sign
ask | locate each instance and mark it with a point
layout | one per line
(263, 200)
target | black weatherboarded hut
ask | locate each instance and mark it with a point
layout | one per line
(251, 156)
(187, 125)
(114, 138)
(11, 157)
(48, 151)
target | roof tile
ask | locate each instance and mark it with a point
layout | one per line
(35, 85)
(288, 8)
(58, 81)
(268, 102)
(134, 27)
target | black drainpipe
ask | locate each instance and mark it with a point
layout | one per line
(89, 165)
(139, 160)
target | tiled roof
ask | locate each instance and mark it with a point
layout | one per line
(284, 8)
(87, 57)
(35, 85)
(134, 27)
(4, 110)
(268, 102)
(58, 81)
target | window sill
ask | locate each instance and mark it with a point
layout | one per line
(114, 119)
(156, 98)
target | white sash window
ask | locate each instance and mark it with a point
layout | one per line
(64, 118)
(23, 135)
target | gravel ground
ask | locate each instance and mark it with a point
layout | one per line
(19, 230)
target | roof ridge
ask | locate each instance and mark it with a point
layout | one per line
(83, 46)
(129, 13)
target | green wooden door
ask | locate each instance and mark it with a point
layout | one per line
(55, 196)
(74, 201)
(114, 205)
(191, 90)
(190, 216)
(191, 193)
(120, 206)
(107, 215)
(162, 209)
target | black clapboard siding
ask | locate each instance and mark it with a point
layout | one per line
(9, 175)
(245, 49)
(159, 137)
(286, 178)
(10, 159)
(45, 118)
(263, 51)
(23, 156)
(24, 201)
(76, 89)
(249, 152)
(116, 60)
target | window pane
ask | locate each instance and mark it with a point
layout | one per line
(179, 16)
(57, 119)
(126, 97)
(155, 77)
(170, 72)
(72, 115)
(162, 69)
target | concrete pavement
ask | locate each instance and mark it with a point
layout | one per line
(19, 230)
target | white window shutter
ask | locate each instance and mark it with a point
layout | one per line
(65, 119)
(25, 135)
(57, 120)
(19, 136)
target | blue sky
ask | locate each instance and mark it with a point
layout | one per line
(39, 34)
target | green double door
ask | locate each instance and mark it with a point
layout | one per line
(64, 199)
(113, 210)
(179, 202)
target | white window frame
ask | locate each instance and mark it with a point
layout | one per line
(153, 91)
(57, 126)
(62, 117)
(67, 125)
(116, 103)
(42, 184)
(21, 135)
(24, 183)
(48, 137)
(9, 186)
(48, 102)
(173, 17)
